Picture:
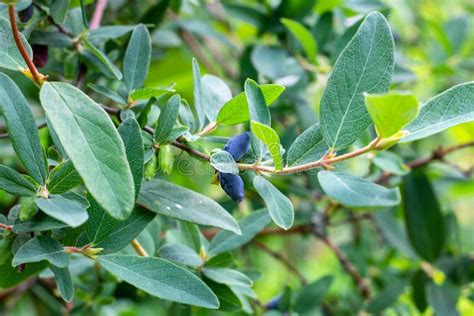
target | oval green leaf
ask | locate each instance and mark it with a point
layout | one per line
(93, 144)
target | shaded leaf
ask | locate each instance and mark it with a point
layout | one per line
(103, 59)
(311, 295)
(146, 93)
(227, 276)
(387, 297)
(423, 217)
(258, 108)
(215, 93)
(63, 279)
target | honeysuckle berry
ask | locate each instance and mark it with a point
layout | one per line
(238, 145)
(26, 14)
(232, 184)
(40, 55)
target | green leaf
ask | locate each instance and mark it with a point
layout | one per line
(227, 276)
(137, 58)
(387, 297)
(222, 161)
(311, 295)
(177, 202)
(452, 107)
(250, 226)
(181, 254)
(13, 182)
(278, 205)
(147, 93)
(391, 162)
(102, 58)
(197, 90)
(443, 298)
(10, 276)
(423, 217)
(41, 248)
(63, 178)
(228, 300)
(270, 138)
(191, 235)
(304, 37)
(104, 231)
(58, 10)
(21, 127)
(68, 208)
(63, 279)
(93, 145)
(236, 110)
(39, 222)
(394, 232)
(365, 65)
(257, 106)
(131, 134)
(391, 112)
(167, 119)
(215, 93)
(104, 33)
(10, 57)
(357, 192)
(108, 93)
(161, 278)
(309, 146)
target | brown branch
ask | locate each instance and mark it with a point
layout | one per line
(437, 155)
(348, 266)
(39, 126)
(139, 248)
(190, 150)
(6, 227)
(98, 13)
(38, 78)
(282, 259)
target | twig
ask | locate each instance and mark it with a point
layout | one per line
(98, 13)
(139, 248)
(39, 126)
(348, 266)
(38, 78)
(193, 44)
(438, 154)
(6, 227)
(298, 229)
(282, 259)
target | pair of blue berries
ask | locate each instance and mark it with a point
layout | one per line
(233, 184)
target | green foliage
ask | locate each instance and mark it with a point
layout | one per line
(113, 130)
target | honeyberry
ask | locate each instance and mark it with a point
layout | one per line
(26, 14)
(232, 184)
(40, 54)
(238, 145)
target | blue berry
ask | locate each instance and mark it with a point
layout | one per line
(232, 184)
(26, 14)
(238, 145)
(40, 55)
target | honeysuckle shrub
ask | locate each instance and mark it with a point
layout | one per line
(271, 157)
